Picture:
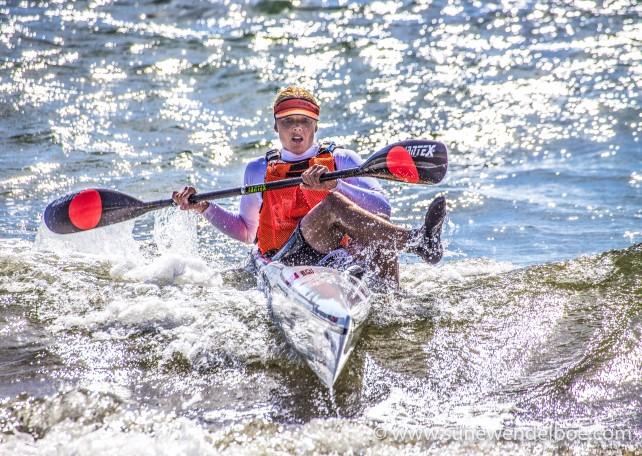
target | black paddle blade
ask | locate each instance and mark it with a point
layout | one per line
(416, 161)
(92, 208)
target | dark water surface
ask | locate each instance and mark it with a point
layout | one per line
(527, 338)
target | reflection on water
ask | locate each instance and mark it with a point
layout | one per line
(145, 342)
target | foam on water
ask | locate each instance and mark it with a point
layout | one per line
(137, 312)
(486, 317)
(425, 289)
(143, 343)
(419, 279)
(90, 423)
(168, 269)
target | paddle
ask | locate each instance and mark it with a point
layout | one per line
(412, 161)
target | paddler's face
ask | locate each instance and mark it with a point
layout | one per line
(296, 132)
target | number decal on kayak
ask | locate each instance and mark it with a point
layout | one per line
(299, 274)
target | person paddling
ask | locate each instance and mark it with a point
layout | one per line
(328, 223)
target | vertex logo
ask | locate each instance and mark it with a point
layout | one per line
(253, 189)
(422, 150)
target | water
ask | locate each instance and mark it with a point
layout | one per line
(137, 339)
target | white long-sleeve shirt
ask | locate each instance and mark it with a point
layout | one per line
(364, 191)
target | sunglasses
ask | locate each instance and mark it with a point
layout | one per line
(290, 122)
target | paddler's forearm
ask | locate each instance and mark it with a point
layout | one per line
(368, 199)
(228, 223)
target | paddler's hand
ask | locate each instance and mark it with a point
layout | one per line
(182, 200)
(311, 179)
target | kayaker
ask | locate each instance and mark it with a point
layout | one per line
(318, 222)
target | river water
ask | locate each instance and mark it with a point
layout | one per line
(141, 339)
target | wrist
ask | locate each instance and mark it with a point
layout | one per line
(202, 206)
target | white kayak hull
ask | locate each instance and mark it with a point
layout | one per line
(320, 311)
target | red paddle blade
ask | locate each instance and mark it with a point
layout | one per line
(417, 161)
(90, 209)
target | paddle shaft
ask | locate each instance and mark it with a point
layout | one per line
(248, 189)
(414, 161)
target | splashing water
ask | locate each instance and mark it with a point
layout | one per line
(145, 338)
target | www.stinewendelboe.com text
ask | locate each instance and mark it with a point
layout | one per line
(544, 433)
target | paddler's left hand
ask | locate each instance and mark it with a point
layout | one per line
(311, 179)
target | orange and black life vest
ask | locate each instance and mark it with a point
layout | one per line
(284, 208)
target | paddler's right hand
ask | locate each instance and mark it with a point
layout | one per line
(182, 200)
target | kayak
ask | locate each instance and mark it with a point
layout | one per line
(321, 312)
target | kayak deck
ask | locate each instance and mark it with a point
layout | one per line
(320, 311)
